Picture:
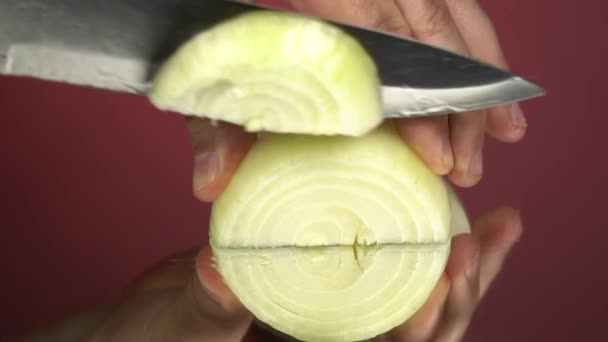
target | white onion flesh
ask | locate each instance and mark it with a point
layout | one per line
(333, 293)
(274, 72)
(333, 238)
(332, 228)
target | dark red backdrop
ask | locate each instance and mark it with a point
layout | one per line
(96, 186)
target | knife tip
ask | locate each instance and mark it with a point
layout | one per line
(529, 89)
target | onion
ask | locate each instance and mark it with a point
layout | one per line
(273, 72)
(333, 238)
(332, 228)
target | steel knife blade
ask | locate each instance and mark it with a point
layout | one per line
(118, 44)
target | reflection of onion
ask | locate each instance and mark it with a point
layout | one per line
(332, 238)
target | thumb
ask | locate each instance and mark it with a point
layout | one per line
(218, 149)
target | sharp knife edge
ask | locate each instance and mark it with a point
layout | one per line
(132, 76)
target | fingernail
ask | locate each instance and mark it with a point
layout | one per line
(447, 158)
(472, 270)
(476, 166)
(205, 170)
(517, 116)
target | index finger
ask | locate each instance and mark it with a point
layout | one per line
(506, 123)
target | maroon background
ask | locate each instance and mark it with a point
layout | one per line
(96, 186)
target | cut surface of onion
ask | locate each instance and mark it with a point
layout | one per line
(333, 238)
(277, 72)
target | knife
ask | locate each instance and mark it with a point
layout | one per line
(117, 45)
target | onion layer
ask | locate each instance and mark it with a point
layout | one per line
(333, 238)
(274, 72)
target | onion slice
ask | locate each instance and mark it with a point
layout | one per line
(274, 72)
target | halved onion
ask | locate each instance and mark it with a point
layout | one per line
(333, 238)
(274, 72)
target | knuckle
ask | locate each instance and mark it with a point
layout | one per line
(380, 15)
(433, 20)
(391, 24)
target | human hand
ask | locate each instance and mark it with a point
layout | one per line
(475, 260)
(451, 145)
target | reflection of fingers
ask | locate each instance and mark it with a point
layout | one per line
(429, 137)
(173, 302)
(213, 284)
(463, 271)
(497, 232)
(218, 150)
(421, 326)
(506, 123)
(174, 272)
(466, 137)
(203, 308)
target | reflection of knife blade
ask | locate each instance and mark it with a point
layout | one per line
(117, 44)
